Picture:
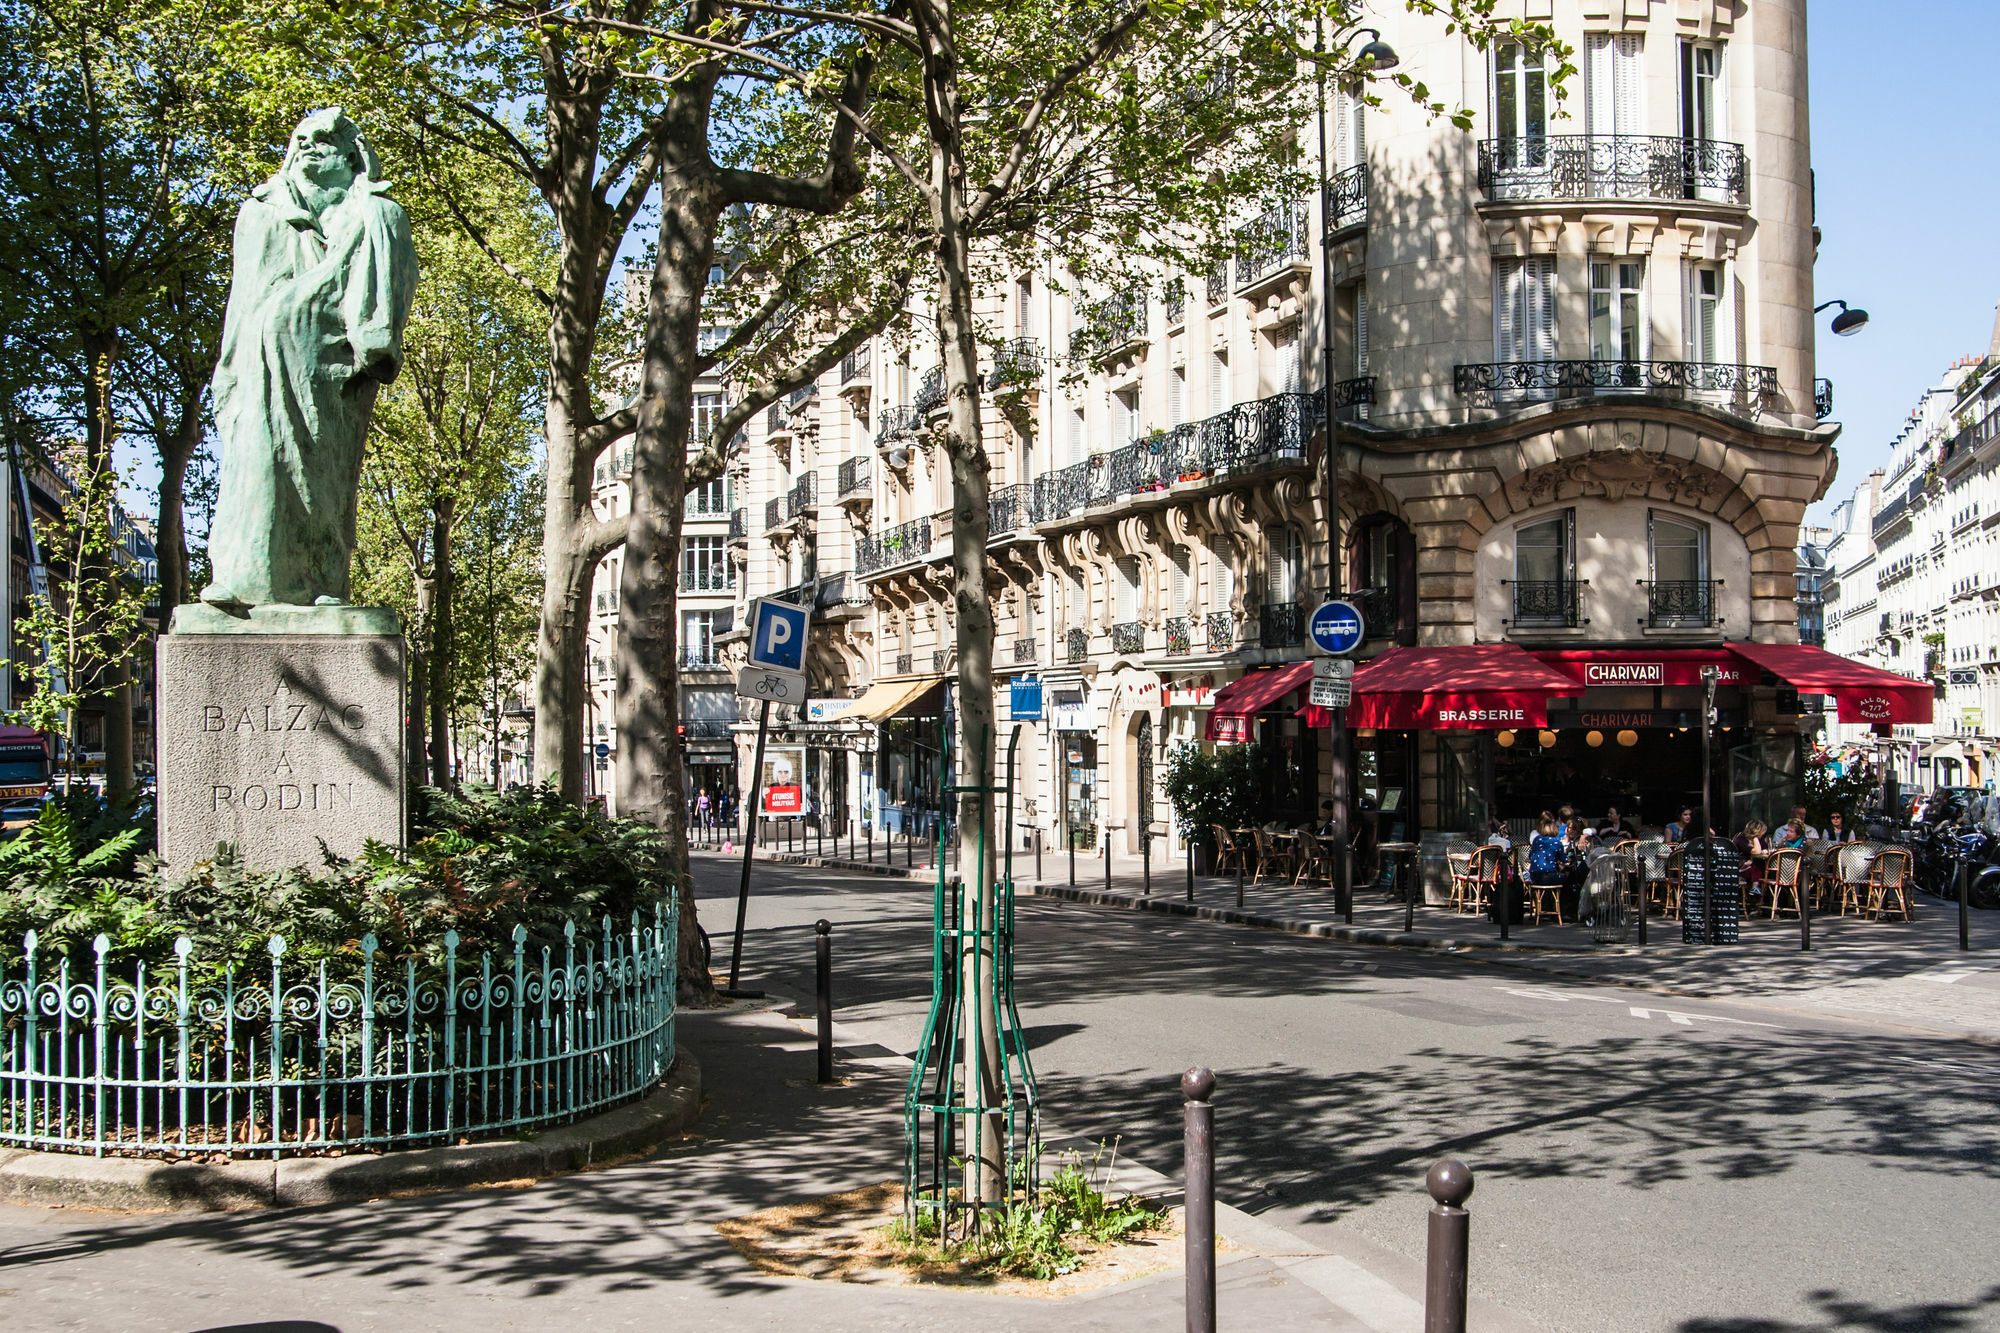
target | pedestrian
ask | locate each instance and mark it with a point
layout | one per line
(702, 810)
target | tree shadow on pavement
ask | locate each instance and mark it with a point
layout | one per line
(1843, 1313)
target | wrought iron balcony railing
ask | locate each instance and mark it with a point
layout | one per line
(1822, 399)
(1281, 625)
(939, 658)
(1346, 199)
(1221, 631)
(1545, 603)
(715, 578)
(895, 423)
(1009, 509)
(706, 728)
(854, 366)
(774, 513)
(1613, 166)
(705, 502)
(700, 659)
(1278, 239)
(1176, 301)
(1378, 611)
(739, 524)
(899, 545)
(1245, 438)
(1352, 398)
(854, 476)
(1681, 602)
(803, 495)
(1129, 637)
(1024, 650)
(1078, 642)
(1217, 283)
(1018, 362)
(1534, 381)
(930, 394)
(1179, 633)
(1118, 321)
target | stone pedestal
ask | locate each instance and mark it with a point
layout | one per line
(273, 740)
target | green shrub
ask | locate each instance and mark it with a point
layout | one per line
(480, 862)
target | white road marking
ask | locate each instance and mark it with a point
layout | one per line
(1675, 1016)
(1947, 975)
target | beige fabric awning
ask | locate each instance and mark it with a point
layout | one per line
(886, 698)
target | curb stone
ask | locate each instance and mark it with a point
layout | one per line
(53, 1179)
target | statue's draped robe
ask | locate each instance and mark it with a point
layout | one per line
(316, 311)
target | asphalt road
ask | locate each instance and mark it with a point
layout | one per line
(1643, 1162)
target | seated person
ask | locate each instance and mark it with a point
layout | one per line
(1682, 828)
(1751, 845)
(1547, 855)
(1496, 836)
(1796, 834)
(1615, 827)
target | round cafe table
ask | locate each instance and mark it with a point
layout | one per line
(1405, 875)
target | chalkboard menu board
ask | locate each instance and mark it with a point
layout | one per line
(1706, 857)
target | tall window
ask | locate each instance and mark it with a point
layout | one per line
(708, 499)
(1177, 395)
(1707, 315)
(1680, 590)
(1218, 382)
(1221, 579)
(1182, 577)
(708, 409)
(1701, 92)
(1024, 300)
(1284, 568)
(1077, 450)
(1616, 333)
(1285, 348)
(1124, 416)
(1127, 589)
(1520, 93)
(698, 631)
(1524, 309)
(1350, 130)
(704, 567)
(1545, 571)
(1612, 71)
(1360, 329)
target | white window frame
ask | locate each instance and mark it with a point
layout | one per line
(1618, 285)
(1524, 309)
(1516, 73)
(1722, 349)
(1565, 523)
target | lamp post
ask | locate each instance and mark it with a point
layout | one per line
(1848, 322)
(1709, 676)
(1378, 55)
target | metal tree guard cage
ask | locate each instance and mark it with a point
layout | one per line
(383, 1054)
(942, 1102)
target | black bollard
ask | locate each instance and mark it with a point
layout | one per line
(1069, 836)
(1239, 876)
(1802, 891)
(825, 950)
(1146, 859)
(1503, 894)
(1038, 853)
(1450, 1185)
(1405, 874)
(869, 832)
(1198, 1223)
(1639, 892)
(1190, 867)
(1107, 860)
(909, 844)
(1964, 904)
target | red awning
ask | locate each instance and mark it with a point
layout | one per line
(1242, 699)
(1864, 693)
(1472, 687)
(1646, 666)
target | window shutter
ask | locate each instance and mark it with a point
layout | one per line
(1076, 453)
(1507, 280)
(1360, 328)
(1218, 382)
(1177, 395)
(1287, 339)
(1342, 118)
(1540, 275)
(1128, 589)
(1180, 593)
(1221, 580)
(1601, 111)
(1625, 85)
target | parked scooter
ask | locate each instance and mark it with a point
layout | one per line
(1979, 852)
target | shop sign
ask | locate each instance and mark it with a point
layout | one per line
(1872, 707)
(1624, 673)
(826, 710)
(1964, 676)
(783, 766)
(1611, 670)
(1192, 696)
(1072, 713)
(1025, 701)
(1974, 717)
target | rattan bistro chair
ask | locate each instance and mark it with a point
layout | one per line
(1785, 873)
(1458, 863)
(1228, 853)
(1889, 885)
(1650, 859)
(1315, 860)
(1485, 875)
(1274, 855)
(1853, 868)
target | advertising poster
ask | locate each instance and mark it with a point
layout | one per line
(784, 774)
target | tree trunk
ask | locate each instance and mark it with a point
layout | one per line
(986, 1176)
(170, 542)
(102, 569)
(441, 631)
(417, 707)
(651, 765)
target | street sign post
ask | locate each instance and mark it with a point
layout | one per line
(776, 674)
(770, 685)
(778, 634)
(1333, 668)
(1332, 692)
(1336, 628)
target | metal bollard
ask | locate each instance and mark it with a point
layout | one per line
(1198, 1222)
(1450, 1185)
(869, 833)
(1069, 836)
(1239, 877)
(1146, 858)
(1038, 853)
(1802, 891)
(824, 948)
(1964, 904)
(1107, 860)
(1406, 873)
(1190, 866)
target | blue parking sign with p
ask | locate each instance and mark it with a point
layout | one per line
(778, 635)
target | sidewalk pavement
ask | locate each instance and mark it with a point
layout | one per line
(1903, 974)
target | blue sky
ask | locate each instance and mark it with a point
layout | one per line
(1909, 205)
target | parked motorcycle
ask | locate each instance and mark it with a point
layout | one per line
(1979, 853)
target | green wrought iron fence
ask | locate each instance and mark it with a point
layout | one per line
(366, 1053)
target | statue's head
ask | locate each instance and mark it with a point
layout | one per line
(328, 151)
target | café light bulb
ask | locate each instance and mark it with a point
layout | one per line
(1594, 739)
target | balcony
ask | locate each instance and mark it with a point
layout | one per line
(1017, 365)
(1352, 398)
(1822, 399)
(1111, 326)
(739, 525)
(1740, 389)
(895, 423)
(774, 514)
(1346, 199)
(1281, 625)
(804, 495)
(1545, 604)
(699, 659)
(1681, 603)
(704, 502)
(1179, 633)
(715, 578)
(1246, 438)
(930, 395)
(1078, 643)
(900, 545)
(854, 368)
(1176, 303)
(1221, 627)
(1613, 166)
(939, 658)
(706, 728)
(1024, 651)
(799, 405)
(1128, 638)
(854, 479)
(1378, 611)
(1891, 514)
(1009, 509)
(1216, 283)
(1274, 246)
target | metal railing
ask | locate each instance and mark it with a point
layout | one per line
(895, 423)
(1613, 166)
(715, 578)
(1534, 380)
(1009, 509)
(1281, 625)
(700, 659)
(705, 502)
(1175, 300)
(1378, 611)
(1018, 362)
(938, 658)
(1352, 398)
(706, 728)
(1892, 513)
(739, 524)
(1278, 239)
(774, 513)
(1216, 282)
(1545, 603)
(854, 366)
(1024, 650)
(1680, 602)
(803, 495)
(1129, 637)
(1119, 320)
(1221, 626)
(361, 1052)
(1078, 643)
(899, 545)
(1822, 399)
(841, 589)
(1346, 199)
(854, 476)
(930, 394)
(1247, 436)
(1179, 632)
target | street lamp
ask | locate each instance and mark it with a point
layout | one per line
(1848, 322)
(1382, 56)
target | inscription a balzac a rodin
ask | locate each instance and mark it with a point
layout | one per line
(285, 787)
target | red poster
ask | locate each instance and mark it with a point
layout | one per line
(784, 800)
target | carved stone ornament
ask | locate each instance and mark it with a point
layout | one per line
(1614, 474)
